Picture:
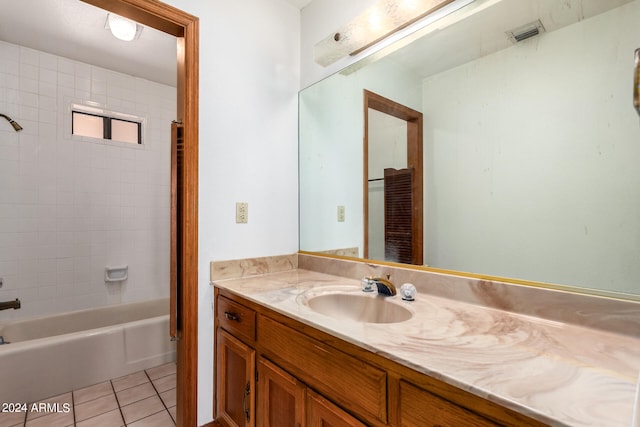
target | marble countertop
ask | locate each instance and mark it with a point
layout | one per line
(557, 373)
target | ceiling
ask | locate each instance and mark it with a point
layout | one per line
(76, 30)
(299, 3)
(454, 41)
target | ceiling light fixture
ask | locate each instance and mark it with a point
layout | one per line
(123, 28)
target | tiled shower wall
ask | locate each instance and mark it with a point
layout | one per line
(69, 206)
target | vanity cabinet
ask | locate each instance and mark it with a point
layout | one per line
(235, 374)
(274, 371)
(420, 408)
(236, 363)
(284, 401)
(323, 413)
(281, 397)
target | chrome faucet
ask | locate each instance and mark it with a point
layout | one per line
(383, 286)
(5, 305)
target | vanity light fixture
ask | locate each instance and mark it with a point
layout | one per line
(381, 20)
(123, 28)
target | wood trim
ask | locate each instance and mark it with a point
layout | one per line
(185, 27)
(150, 13)
(176, 168)
(415, 160)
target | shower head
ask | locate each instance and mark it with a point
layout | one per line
(12, 122)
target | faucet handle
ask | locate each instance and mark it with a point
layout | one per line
(368, 285)
(408, 292)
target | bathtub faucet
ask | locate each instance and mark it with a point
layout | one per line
(5, 305)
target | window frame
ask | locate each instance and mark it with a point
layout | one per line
(107, 119)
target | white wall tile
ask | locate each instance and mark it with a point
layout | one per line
(70, 207)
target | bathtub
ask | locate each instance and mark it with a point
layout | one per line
(52, 355)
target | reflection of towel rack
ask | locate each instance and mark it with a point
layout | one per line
(376, 179)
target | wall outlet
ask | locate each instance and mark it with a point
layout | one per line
(340, 213)
(242, 213)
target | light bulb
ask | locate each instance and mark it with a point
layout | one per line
(122, 28)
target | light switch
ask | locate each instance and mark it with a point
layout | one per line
(340, 213)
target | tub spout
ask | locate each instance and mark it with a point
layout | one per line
(5, 305)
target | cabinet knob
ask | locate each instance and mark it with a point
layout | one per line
(231, 316)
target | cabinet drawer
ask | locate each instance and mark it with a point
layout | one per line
(236, 318)
(354, 385)
(419, 408)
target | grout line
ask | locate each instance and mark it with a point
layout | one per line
(158, 394)
(73, 408)
(124, 422)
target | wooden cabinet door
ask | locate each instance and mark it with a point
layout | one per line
(235, 379)
(281, 397)
(419, 408)
(322, 413)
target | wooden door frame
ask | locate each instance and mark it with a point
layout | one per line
(185, 28)
(414, 160)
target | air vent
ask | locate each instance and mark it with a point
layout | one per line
(526, 31)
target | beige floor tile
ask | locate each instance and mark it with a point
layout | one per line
(162, 370)
(109, 419)
(10, 419)
(59, 419)
(96, 407)
(60, 403)
(142, 409)
(92, 392)
(130, 380)
(169, 397)
(160, 419)
(165, 383)
(134, 394)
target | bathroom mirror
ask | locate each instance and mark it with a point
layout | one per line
(531, 148)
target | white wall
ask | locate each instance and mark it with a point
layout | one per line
(68, 206)
(518, 197)
(249, 77)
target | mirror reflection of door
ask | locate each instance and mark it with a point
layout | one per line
(387, 150)
(392, 181)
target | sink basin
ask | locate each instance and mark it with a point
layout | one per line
(365, 308)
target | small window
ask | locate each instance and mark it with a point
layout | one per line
(105, 127)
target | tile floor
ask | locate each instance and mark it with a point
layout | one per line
(142, 399)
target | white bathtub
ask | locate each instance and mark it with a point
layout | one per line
(56, 354)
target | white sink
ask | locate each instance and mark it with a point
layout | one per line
(365, 308)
